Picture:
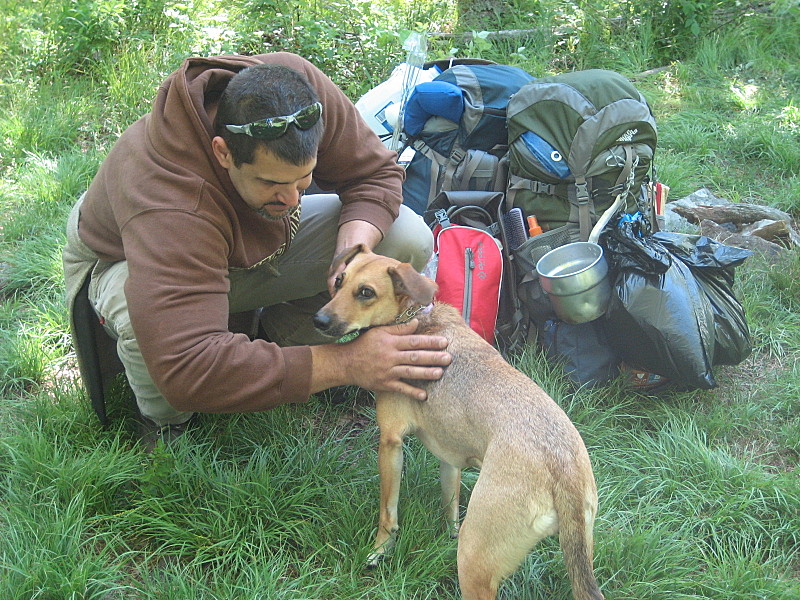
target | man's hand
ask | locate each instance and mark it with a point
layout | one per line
(382, 359)
(351, 234)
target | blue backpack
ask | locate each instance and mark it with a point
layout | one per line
(457, 126)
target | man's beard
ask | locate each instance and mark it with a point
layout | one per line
(271, 217)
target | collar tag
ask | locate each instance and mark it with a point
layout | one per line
(412, 312)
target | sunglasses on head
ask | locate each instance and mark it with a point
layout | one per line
(274, 127)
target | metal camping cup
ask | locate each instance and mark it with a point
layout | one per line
(575, 276)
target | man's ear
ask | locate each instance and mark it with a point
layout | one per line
(408, 282)
(222, 152)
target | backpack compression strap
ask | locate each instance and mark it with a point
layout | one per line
(584, 199)
(479, 163)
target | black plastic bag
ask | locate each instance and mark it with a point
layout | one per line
(672, 307)
(713, 265)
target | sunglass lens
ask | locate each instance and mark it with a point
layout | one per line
(271, 130)
(307, 117)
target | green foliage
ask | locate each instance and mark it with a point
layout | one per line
(356, 43)
(86, 29)
(674, 27)
(72, 37)
(129, 82)
(768, 300)
(67, 34)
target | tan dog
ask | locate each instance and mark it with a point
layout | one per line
(536, 479)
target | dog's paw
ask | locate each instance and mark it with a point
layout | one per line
(372, 559)
(383, 544)
(452, 529)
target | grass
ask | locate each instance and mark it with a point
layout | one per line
(699, 491)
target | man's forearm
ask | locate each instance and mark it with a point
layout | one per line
(328, 361)
(357, 232)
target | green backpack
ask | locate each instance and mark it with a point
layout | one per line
(576, 141)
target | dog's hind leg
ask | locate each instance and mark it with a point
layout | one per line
(451, 488)
(505, 519)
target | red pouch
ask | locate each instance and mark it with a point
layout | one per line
(469, 272)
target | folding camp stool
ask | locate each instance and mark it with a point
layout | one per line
(97, 350)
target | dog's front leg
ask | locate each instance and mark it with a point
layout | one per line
(451, 487)
(390, 467)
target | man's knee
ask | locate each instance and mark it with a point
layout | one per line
(107, 296)
(408, 240)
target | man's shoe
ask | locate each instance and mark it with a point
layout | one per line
(150, 433)
(642, 380)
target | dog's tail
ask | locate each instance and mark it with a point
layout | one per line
(575, 526)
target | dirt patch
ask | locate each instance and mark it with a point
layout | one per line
(755, 381)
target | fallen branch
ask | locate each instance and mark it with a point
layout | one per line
(648, 72)
(505, 34)
(732, 213)
(515, 33)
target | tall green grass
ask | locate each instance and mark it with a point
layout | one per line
(699, 491)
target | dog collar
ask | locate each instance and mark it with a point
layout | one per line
(411, 312)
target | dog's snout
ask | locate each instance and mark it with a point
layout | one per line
(322, 321)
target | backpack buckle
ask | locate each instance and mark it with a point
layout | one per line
(442, 218)
(582, 192)
(458, 155)
(540, 187)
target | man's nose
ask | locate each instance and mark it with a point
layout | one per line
(290, 196)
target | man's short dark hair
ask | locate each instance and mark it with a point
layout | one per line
(263, 91)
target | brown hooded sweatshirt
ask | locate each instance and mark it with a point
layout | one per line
(161, 201)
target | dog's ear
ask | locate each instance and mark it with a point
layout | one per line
(410, 283)
(345, 256)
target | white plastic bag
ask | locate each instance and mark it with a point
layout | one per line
(382, 106)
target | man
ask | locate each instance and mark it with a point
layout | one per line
(196, 214)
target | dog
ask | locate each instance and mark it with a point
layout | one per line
(535, 476)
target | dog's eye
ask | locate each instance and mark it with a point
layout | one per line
(366, 293)
(337, 283)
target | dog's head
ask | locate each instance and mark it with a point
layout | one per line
(371, 290)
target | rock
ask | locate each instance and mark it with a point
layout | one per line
(770, 251)
(773, 231)
(738, 214)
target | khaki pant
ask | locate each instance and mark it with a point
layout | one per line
(292, 288)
